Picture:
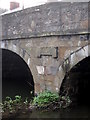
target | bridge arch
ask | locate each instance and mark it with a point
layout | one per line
(16, 49)
(21, 56)
(72, 64)
(74, 58)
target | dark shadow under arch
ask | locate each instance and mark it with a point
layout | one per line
(16, 76)
(76, 83)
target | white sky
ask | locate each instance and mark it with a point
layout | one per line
(28, 3)
(6, 3)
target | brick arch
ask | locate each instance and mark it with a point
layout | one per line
(74, 58)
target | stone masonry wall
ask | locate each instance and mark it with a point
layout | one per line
(50, 19)
(51, 38)
(44, 57)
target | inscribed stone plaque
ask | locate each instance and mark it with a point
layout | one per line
(48, 51)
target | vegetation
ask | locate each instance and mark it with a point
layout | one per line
(12, 107)
(45, 98)
(10, 104)
(51, 100)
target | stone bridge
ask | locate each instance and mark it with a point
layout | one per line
(51, 38)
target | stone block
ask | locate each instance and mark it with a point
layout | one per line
(40, 69)
(48, 71)
(51, 70)
(84, 24)
(49, 86)
(54, 70)
(48, 51)
(37, 88)
(50, 78)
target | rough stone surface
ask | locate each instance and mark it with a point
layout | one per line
(45, 20)
(51, 39)
(40, 69)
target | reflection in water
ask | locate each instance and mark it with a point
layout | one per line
(76, 112)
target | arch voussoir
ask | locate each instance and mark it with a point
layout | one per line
(72, 60)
